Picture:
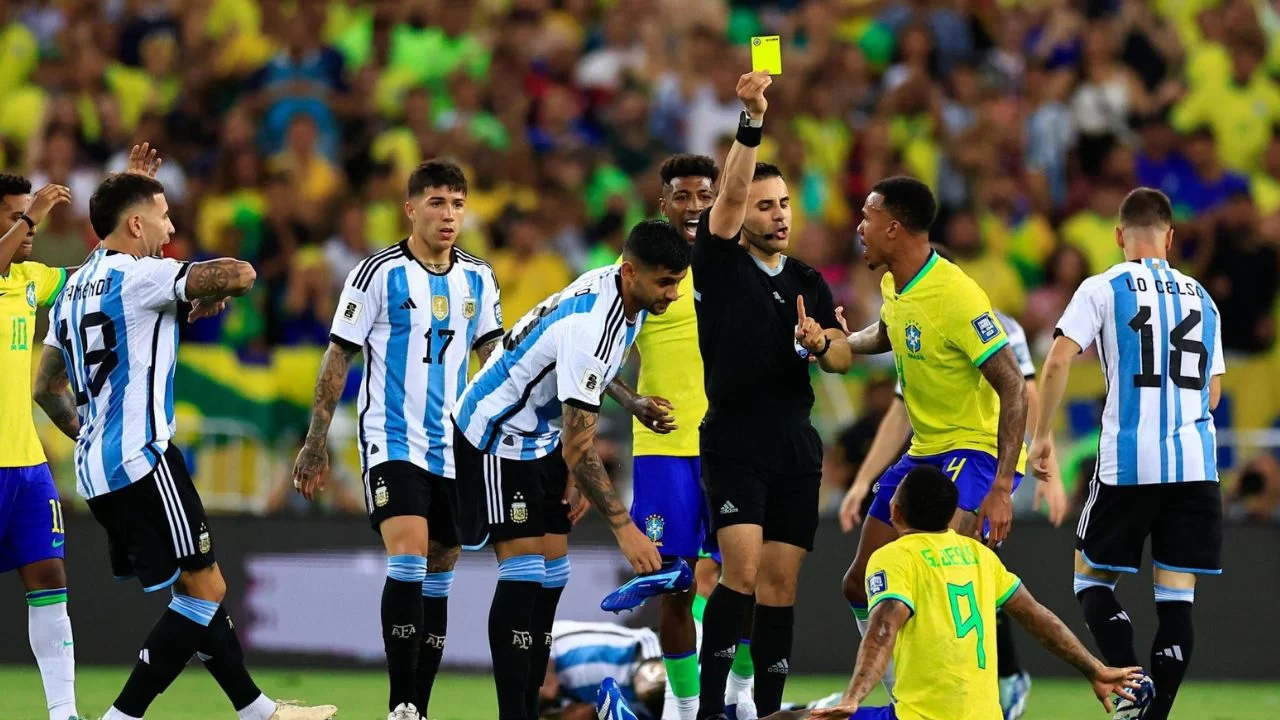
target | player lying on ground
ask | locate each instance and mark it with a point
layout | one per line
(584, 654)
(416, 310)
(1159, 340)
(110, 329)
(934, 596)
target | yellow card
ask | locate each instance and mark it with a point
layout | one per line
(766, 54)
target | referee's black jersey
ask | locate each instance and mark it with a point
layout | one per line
(746, 329)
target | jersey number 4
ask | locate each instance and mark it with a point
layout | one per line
(1179, 344)
(98, 361)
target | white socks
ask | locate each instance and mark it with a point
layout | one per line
(888, 678)
(261, 709)
(114, 714)
(49, 630)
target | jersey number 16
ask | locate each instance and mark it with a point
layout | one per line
(1179, 344)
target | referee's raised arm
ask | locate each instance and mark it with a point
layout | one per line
(730, 208)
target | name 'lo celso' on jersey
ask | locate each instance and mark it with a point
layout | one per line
(565, 350)
(1160, 341)
(416, 329)
(115, 323)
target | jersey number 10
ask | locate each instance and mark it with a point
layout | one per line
(1179, 345)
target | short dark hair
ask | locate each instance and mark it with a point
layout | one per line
(1146, 208)
(909, 201)
(14, 185)
(117, 194)
(927, 499)
(688, 165)
(764, 171)
(657, 243)
(437, 173)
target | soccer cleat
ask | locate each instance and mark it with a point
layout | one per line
(290, 710)
(1144, 693)
(675, 576)
(610, 704)
(1014, 691)
(404, 711)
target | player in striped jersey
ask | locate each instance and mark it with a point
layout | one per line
(525, 446)
(416, 310)
(106, 378)
(1160, 343)
(584, 654)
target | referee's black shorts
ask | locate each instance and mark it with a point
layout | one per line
(1184, 521)
(765, 474)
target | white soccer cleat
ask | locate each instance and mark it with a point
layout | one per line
(404, 711)
(289, 710)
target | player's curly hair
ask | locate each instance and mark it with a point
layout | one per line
(688, 165)
(437, 173)
(927, 499)
(14, 185)
(909, 201)
(117, 194)
(656, 243)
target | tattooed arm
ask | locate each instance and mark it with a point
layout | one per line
(876, 649)
(870, 340)
(484, 351)
(586, 471)
(312, 464)
(53, 393)
(1002, 371)
(217, 279)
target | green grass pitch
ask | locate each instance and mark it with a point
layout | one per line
(362, 696)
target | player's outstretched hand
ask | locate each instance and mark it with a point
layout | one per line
(997, 508)
(205, 308)
(1110, 681)
(851, 506)
(843, 711)
(655, 413)
(751, 89)
(577, 503)
(844, 324)
(143, 160)
(310, 469)
(46, 199)
(1038, 455)
(639, 550)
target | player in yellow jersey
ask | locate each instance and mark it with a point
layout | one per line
(669, 504)
(934, 595)
(31, 532)
(963, 388)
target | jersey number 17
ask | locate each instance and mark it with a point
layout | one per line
(1179, 345)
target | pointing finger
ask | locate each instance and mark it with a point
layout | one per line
(800, 307)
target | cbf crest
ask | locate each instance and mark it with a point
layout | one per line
(31, 294)
(914, 338)
(519, 510)
(654, 527)
(469, 308)
(440, 306)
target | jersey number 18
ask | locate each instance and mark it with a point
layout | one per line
(1179, 345)
(98, 362)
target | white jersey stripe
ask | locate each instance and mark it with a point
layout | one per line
(172, 509)
(179, 512)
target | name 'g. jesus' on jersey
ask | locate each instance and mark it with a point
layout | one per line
(1160, 341)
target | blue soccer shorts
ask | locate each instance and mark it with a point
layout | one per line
(973, 472)
(668, 504)
(884, 712)
(30, 517)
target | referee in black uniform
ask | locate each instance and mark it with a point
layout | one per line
(761, 315)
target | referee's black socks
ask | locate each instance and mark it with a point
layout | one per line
(1171, 647)
(173, 640)
(402, 625)
(544, 615)
(722, 623)
(771, 654)
(511, 638)
(1108, 622)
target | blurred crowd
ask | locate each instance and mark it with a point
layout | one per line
(288, 129)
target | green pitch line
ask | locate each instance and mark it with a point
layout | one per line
(362, 695)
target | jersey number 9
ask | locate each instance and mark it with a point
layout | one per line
(1179, 345)
(98, 362)
(973, 622)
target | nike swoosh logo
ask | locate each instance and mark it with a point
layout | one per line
(58, 543)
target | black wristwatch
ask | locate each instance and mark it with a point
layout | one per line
(744, 120)
(824, 349)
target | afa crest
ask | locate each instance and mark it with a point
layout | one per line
(381, 496)
(31, 294)
(206, 543)
(654, 527)
(469, 308)
(519, 510)
(440, 306)
(913, 337)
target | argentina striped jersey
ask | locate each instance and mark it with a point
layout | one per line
(116, 325)
(565, 350)
(1160, 341)
(416, 329)
(584, 654)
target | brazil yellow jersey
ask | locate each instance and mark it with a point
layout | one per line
(945, 655)
(671, 368)
(27, 285)
(942, 329)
